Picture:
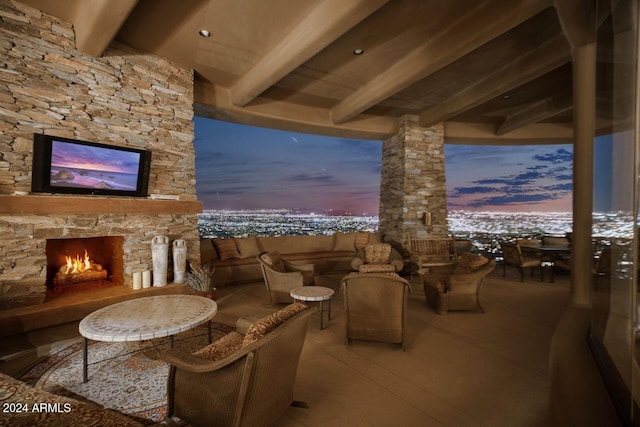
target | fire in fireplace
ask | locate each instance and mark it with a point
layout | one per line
(83, 263)
(79, 269)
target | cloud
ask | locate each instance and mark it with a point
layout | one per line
(473, 190)
(547, 176)
(510, 200)
(559, 156)
(311, 178)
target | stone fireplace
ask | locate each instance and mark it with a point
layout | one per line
(124, 98)
(54, 222)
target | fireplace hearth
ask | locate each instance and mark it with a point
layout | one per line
(81, 264)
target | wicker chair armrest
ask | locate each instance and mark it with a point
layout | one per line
(356, 263)
(293, 267)
(285, 281)
(462, 286)
(182, 359)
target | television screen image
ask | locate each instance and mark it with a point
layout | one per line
(85, 166)
(70, 166)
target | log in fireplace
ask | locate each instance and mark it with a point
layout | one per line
(79, 264)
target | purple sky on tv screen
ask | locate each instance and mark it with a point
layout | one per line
(85, 166)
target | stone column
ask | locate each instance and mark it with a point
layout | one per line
(413, 194)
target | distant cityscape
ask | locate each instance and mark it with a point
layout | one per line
(484, 229)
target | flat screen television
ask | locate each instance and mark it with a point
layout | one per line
(69, 166)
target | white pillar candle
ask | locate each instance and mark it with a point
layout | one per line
(137, 280)
(146, 279)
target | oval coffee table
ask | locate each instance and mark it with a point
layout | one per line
(145, 318)
(314, 293)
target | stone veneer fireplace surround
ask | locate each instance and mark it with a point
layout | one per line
(125, 98)
(32, 220)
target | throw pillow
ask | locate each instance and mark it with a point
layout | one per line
(226, 248)
(345, 242)
(248, 246)
(361, 240)
(260, 328)
(469, 263)
(274, 260)
(222, 347)
(378, 253)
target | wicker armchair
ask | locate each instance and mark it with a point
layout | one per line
(377, 258)
(457, 287)
(241, 379)
(281, 276)
(513, 257)
(375, 306)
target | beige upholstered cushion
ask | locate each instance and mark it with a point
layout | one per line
(377, 268)
(345, 242)
(361, 240)
(226, 248)
(469, 263)
(248, 246)
(260, 328)
(274, 261)
(222, 347)
(377, 253)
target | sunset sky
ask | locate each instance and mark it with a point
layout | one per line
(95, 158)
(244, 167)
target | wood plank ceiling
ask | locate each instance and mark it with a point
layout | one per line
(494, 71)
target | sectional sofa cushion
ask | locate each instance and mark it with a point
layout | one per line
(248, 246)
(345, 242)
(361, 240)
(226, 248)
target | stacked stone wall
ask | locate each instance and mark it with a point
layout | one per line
(123, 98)
(413, 183)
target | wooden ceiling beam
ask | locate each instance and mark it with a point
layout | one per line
(533, 64)
(484, 134)
(327, 21)
(533, 113)
(483, 23)
(96, 23)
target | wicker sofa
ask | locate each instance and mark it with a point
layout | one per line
(235, 258)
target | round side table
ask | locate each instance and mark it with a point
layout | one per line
(314, 293)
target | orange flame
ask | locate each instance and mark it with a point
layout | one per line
(78, 265)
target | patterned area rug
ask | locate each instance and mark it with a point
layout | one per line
(125, 376)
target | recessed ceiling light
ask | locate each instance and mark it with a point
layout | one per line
(506, 97)
(204, 33)
(358, 51)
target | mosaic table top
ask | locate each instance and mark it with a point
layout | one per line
(311, 293)
(147, 318)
